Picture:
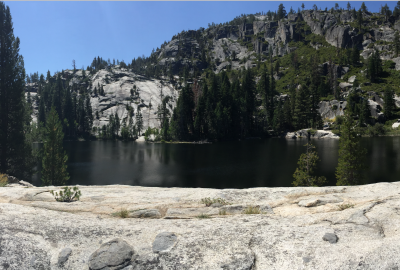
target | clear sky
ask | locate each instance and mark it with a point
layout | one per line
(54, 33)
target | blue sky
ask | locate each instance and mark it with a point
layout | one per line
(54, 33)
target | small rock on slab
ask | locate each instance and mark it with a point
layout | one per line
(113, 255)
(164, 242)
(330, 237)
(24, 183)
(63, 256)
(308, 203)
(149, 213)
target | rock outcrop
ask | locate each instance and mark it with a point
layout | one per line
(319, 134)
(355, 227)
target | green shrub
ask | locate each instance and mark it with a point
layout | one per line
(68, 195)
(376, 130)
(3, 180)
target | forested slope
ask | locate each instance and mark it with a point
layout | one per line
(258, 75)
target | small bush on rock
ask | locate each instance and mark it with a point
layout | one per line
(203, 216)
(123, 213)
(3, 180)
(68, 195)
(208, 201)
(344, 206)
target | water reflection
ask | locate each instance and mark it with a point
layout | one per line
(254, 163)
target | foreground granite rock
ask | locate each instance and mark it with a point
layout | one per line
(299, 228)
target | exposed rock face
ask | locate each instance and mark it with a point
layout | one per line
(113, 255)
(117, 84)
(331, 109)
(319, 134)
(306, 229)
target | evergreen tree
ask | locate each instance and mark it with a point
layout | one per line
(248, 87)
(117, 123)
(354, 13)
(300, 117)
(374, 66)
(363, 7)
(350, 166)
(54, 168)
(396, 44)
(68, 114)
(42, 112)
(139, 121)
(360, 19)
(365, 113)
(278, 121)
(15, 151)
(355, 55)
(303, 176)
(388, 98)
(263, 87)
(287, 116)
(88, 122)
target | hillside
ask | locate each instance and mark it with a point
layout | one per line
(329, 54)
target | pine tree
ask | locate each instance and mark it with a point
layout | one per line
(54, 167)
(68, 114)
(363, 7)
(117, 123)
(350, 165)
(42, 112)
(355, 56)
(365, 113)
(388, 98)
(300, 117)
(360, 19)
(139, 121)
(248, 87)
(278, 121)
(15, 151)
(303, 176)
(396, 44)
(88, 122)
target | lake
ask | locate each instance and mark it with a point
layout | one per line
(239, 164)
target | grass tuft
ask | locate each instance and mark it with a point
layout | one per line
(208, 201)
(203, 216)
(344, 206)
(123, 213)
(252, 210)
(222, 212)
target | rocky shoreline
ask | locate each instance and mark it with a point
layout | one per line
(355, 227)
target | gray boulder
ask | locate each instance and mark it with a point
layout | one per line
(330, 237)
(113, 255)
(164, 242)
(147, 213)
(63, 256)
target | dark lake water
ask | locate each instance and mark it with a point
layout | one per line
(244, 164)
